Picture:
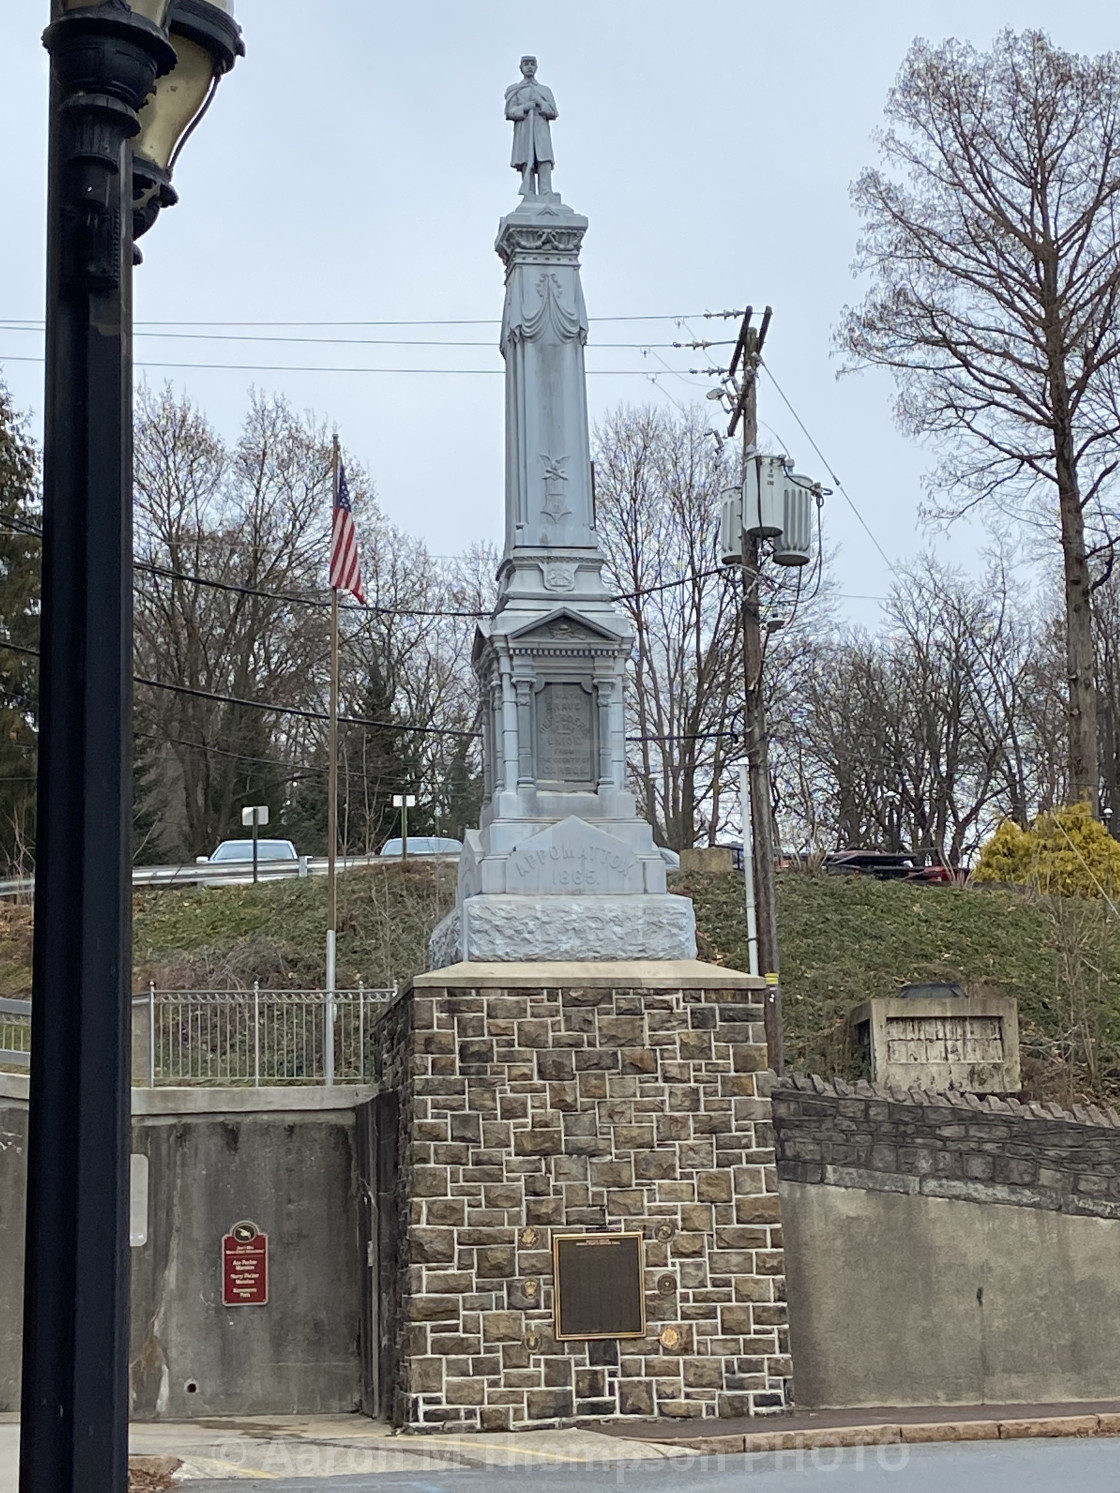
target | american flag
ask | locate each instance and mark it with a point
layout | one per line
(346, 569)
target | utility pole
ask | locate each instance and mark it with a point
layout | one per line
(745, 363)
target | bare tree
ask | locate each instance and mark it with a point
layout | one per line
(253, 522)
(917, 738)
(992, 238)
(658, 480)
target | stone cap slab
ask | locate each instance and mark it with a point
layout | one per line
(619, 974)
(277, 1099)
(274, 1099)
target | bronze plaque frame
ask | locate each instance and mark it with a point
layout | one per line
(598, 1286)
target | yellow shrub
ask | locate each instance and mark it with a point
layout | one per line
(1067, 853)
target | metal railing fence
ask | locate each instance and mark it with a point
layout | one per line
(255, 1037)
(229, 873)
(15, 1034)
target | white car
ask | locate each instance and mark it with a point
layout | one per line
(242, 850)
(423, 845)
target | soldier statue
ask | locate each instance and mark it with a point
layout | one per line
(530, 105)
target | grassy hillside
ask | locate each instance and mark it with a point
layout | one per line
(843, 939)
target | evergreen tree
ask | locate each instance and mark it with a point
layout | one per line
(19, 626)
(375, 762)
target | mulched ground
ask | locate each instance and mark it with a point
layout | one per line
(152, 1474)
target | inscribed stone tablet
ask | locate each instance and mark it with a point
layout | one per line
(564, 726)
(598, 1285)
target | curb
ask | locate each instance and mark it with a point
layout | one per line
(889, 1434)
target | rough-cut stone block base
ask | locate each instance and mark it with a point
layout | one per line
(527, 1110)
(515, 929)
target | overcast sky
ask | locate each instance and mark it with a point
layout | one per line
(353, 170)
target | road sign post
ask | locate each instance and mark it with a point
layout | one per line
(256, 817)
(404, 802)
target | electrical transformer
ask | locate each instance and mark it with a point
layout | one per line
(762, 496)
(731, 526)
(793, 545)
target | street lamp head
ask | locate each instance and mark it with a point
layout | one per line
(109, 50)
(207, 42)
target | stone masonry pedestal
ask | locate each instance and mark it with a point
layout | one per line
(543, 1098)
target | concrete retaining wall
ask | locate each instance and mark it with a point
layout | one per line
(283, 1158)
(900, 1299)
(945, 1250)
(13, 1164)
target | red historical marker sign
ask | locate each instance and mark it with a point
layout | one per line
(245, 1266)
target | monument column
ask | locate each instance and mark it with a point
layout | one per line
(588, 1199)
(561, 861)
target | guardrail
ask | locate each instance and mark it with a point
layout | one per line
(254, 1037)
(218, 873)
(15, 1034)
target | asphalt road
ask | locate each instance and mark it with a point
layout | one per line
(1090, 1466)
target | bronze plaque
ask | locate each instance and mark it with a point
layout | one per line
(565, 749)
(598, 1285)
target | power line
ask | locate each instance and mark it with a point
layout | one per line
(300, 769)
(301, 712)
(358, 341)
(293, 598)
(202, 746)
(312, 601)
(487, 321)
(345, 720)
(832, 475)
(335, 368)
(293, 770)
(684, 580)
(329, 368)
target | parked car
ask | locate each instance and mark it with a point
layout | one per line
(242, 850)
(884, 865)
(423, 845)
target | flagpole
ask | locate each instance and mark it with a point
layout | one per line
(332, 808)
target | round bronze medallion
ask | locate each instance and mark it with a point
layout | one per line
(671, 1338)
(665, 1231)
(666, 1285)
(532, 1287)
(532, 1341)
(530, 1236)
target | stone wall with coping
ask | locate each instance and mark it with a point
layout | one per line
(584, 1106)
(947, 1250)
(948, 1145)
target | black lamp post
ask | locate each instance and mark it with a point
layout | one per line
(105, 61)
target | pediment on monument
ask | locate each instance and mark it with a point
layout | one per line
(562, 626)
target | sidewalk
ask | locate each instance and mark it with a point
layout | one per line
(878, 1426)
(288, 1446)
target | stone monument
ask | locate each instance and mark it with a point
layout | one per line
(577, 1201)
(561, 866)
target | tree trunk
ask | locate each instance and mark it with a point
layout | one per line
(1084, 773)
